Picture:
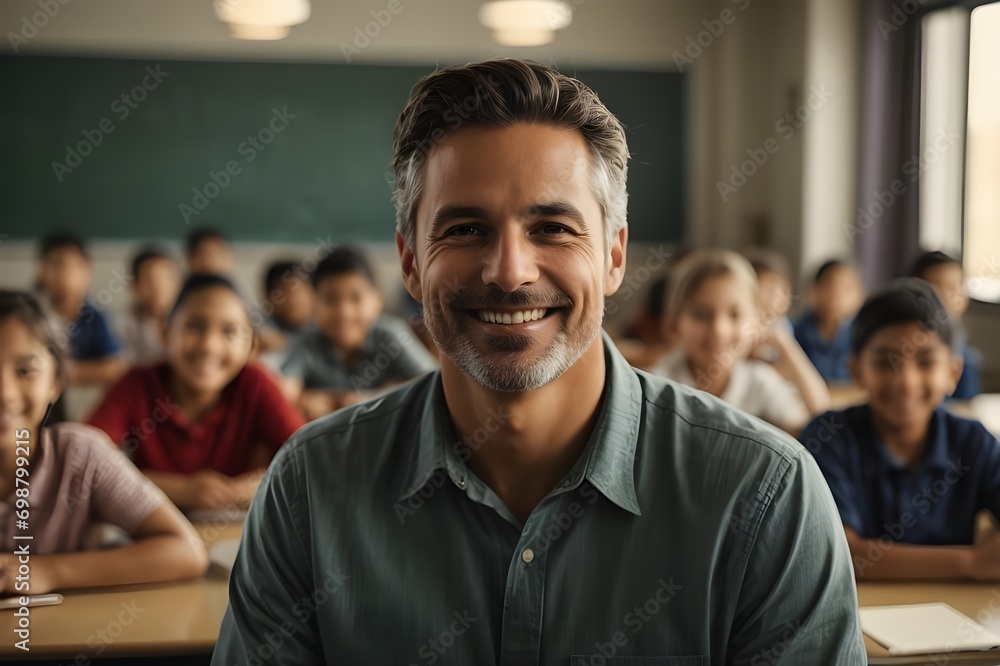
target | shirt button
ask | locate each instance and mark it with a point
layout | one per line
(527, 555)
(461, 484)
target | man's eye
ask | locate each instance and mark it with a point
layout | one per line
(463, 230)
(554, 229)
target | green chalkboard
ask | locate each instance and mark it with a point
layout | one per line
(126, 149)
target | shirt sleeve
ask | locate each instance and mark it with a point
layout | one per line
(276, 418)
(987, 464)
(798, 604)
(412, 359)
(112, 414)
(830, 452)
(272, 578)
(121, 495)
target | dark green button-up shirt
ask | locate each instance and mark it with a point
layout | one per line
(686, 534)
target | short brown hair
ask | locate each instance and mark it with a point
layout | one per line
(499, 93)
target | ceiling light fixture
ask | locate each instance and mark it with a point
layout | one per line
(525, 22)
(261, 19)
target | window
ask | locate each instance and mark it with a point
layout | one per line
(959, 158)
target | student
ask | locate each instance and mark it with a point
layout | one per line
(64, 275)
(537, 490)
(908, 476)
(645, 341)
(824, 332)
(74, 479)
(155, 281)
(289, 296)
(207, 251)
(355, 349)
(776, 344)
(712, 314)
(203, 424)
(948, 279)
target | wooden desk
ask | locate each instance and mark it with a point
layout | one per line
(979, 601)
(130, 620)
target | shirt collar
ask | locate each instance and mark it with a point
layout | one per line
(608, 460)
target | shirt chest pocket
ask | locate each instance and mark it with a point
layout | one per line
(585, 660)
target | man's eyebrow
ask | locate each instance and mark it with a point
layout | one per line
(557, 209)
(449, 213)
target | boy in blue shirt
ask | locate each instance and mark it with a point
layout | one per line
(824, 332)
(64, 274)
(908, 476)
(947, 277)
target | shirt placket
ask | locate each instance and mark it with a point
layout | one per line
(523, 599)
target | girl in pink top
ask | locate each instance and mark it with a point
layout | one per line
(56, 482)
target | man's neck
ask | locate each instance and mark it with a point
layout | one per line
(532, 438)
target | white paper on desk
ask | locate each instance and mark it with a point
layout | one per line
(925, 629)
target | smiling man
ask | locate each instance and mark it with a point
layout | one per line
(537, 500)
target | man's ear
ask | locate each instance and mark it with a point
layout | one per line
(616, 261)
(408, 267)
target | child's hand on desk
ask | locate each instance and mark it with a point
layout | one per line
(39, 580)
(209, 489)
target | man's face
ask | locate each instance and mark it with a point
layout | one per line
(509, 258)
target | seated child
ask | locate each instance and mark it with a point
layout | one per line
(824, 332)
(289, 297)
(712, 314)
(776, 344)
(64, 277)
(354, 350)
(908, 476)
(207, 251)
(155, 281)
(204, 424)
(76, 479)
(948, 279)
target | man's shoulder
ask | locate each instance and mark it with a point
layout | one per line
(690, 419)
(360, 432)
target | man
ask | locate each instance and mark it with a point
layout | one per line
(537, 500)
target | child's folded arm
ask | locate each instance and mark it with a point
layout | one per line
(883, 559)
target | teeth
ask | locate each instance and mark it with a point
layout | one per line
(516, 318)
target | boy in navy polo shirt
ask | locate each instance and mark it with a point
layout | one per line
(824, 331)
(908, 476)
(947, 277)
(64, 273)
